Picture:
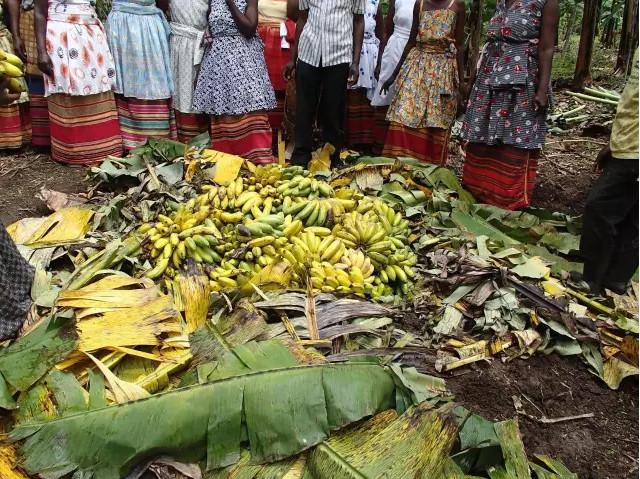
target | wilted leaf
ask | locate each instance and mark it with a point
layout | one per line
(227, 167)
(615, 370)
(534, 268)
(122, 391)
(515, 457)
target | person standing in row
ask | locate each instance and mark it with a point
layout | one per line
(429, 77)
(26, 46)
(233, 86)
(277, 31)
(138, 35)
(325, 59)
(609, 242)
(15, 118)
(79, 76)
(397, 30)
(360, 113)
(188, 26)
(504, 126)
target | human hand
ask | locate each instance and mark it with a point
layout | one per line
(354, 74)
(44, 64)
(540, 101)
(386, 85)
(19, 47)
(6, 97)
(289, 70)
(604, 155)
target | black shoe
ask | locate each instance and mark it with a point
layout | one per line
(617, 287)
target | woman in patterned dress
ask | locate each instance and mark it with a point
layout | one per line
(79, 74)
(505, 121)
(188, 25)
(427, 96)
(138, 34)
(360, 113)
(233, 86)
(15, 119)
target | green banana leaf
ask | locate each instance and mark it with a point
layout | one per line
(478, 226)
(280, 412)
(28, 359)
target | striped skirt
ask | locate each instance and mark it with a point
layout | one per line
(429, 145)
(41, 132)
(84, 129)
(380, 128)
(190, 125)
(143, 119)
(500, 175)
(248, 136)
(360, 118)
(15, 126)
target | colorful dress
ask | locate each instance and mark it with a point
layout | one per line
(277, 33)
(360, 113)
(234, 88)
(138, 35)
(188, 25)
(425, 104)
(15, 119)
(503, 131)
(82, 110)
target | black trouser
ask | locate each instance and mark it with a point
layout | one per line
(322, 91)
(609, 243)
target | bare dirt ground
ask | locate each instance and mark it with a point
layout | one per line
(602, 447)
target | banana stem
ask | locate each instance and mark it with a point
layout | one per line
(591, 303)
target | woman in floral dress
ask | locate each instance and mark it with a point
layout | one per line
(360, 113)
(15, 119)
(505, 121)
(188, 26)
(424, 108)
(79, 74)
(233, 86)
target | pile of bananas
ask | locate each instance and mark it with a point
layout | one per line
(12, 67)
(337, 241)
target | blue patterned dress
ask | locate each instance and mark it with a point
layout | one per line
(500, 109)
(138, 35)
(233, 76)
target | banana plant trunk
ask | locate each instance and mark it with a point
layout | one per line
(590, 17)
(628, 37)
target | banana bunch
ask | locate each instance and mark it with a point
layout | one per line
(171, 241)
(12, 67)
(266, 175)
(303, 186)
(329, 278)
(313, 244)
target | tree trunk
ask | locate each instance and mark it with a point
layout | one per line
(475, 34)
(590, 16)
(628, 37)
(571, 25)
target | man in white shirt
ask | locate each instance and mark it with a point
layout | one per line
(325, 59)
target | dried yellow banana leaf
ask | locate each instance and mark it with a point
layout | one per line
(8, 464)
(109, 294)
(145, 325)
(65, 226)
(194, 292)
(122, 391)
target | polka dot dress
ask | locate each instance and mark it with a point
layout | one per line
(501, 108)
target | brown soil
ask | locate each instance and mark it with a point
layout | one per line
(602, 447)
(23, 174)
